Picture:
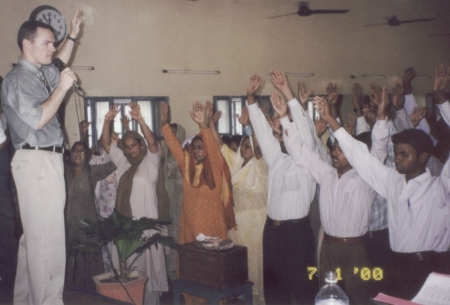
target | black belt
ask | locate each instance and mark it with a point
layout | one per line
(378, 233)
(417, 256)
(57, 149)
(280, 222)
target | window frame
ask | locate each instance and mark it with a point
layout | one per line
(90, 114)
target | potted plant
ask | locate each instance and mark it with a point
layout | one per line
(127, 235)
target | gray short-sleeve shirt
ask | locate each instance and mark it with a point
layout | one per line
(21, 96)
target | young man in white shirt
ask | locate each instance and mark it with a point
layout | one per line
(418, 203)
(288, 241)
(345, 201)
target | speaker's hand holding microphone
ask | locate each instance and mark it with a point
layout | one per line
(67, 79)
(68, 75)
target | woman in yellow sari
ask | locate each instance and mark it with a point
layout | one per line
(249, 181)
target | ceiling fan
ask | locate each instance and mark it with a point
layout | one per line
(304, 10)
(393, 21)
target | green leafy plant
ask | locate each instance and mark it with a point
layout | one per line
(129, 237)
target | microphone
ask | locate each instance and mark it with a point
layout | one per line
(58, 63)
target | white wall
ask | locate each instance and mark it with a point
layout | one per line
(130, 41)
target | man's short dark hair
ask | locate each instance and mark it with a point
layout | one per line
(417, 138)
(28, 31)
(365, 137)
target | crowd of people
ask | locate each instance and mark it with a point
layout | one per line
(381, 180)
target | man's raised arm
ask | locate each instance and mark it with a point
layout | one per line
(369, 168)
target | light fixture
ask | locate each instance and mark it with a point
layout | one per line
(367, 76)
(82, 68)
(191, 71)
(299, 74)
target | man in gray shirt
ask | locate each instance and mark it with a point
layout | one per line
(31, 94)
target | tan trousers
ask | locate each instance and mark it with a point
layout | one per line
(39, 178)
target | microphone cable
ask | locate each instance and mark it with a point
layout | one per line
(76, 89)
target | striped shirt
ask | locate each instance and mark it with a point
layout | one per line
(418, 209)
(290, 191)
(344, 201)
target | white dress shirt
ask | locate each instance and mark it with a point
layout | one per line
(445, 111)
(3, 127)
(344, 201)
(290, 191)
(418, 209)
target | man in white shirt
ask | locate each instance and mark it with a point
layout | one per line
(345, 201)
(418, 203)
(288, 241)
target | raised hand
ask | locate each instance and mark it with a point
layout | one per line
(279, 105)
(384, 104)
(281, 83)
(441, 81)
(208, 111)
(303, 95)
(216, 116)
(198, 114)
(357, 97)
(253, 85)
(321, 127)
(324, 109)
(350, 125)
(164, 113)
(135, 111)
(398, 97)
(375, 96)
(77, 19)
(125, 120)
(333, 93)
(113, 111)
(418, 114)
(407, 78)
(279, 80)
(244, 118)
(322, 105)
(84, 126)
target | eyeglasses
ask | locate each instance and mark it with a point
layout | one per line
(78, 151)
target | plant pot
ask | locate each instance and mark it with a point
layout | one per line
(135, 287)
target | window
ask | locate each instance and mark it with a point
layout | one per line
(95, 109)
(231, 106)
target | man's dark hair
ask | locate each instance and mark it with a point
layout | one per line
(226, 139)
(417, 138)
(365, 137)
(28, 31)
(236, 139)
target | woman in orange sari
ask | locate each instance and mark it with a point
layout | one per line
(207, 199)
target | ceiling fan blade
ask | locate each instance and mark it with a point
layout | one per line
(329, 11)
(278, 16)
(416, 20)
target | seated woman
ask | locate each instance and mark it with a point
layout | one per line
(249, 180)
(207, 200)
(137, 173)
(80, 205)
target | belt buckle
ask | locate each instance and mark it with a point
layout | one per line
(277, 222)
